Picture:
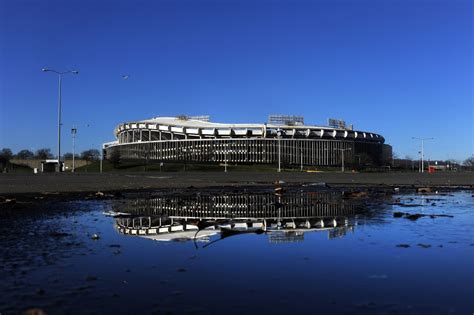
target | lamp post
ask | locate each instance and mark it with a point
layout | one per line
(422, 152)
(73, 132)
(279, 132)
(102, 159)
(60, 75)
(342, 156)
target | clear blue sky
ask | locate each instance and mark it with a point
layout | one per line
(399, 68)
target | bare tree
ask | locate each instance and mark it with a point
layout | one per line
(25, 155)
(6, 154)
(5, 157)
(43, 154)
(469, 162)
(68, 156)
(90, 155)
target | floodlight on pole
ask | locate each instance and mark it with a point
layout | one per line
(422, 152)
(60, 74)
(279, 133)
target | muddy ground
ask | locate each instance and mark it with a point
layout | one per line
(25, 190)
(68, 182)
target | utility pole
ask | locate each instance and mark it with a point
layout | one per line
(422, 170)
(60, 75)
(279, 132)
(73, 132)
(101, 159)
(342, 156)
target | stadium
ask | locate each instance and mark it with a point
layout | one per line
(285, 141)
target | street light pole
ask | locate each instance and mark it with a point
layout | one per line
(342, 156)
(59, 124)
(60, 75)
(102, 159)
(73, 132)
(279, 149)
(422, 151)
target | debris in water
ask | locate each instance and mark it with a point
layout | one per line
(416, 216)
(424, 245)
(58, 234)
(6, 200)
(403, 245)
(423, 190)
(34, 311)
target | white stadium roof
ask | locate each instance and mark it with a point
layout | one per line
(176, 121)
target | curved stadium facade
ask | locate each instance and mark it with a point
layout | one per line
(197, 140)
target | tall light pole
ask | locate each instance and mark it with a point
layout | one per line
(279, 132)
(60, 75)
(73, 132)
(422, 151)
(102, 158)
(342, 156)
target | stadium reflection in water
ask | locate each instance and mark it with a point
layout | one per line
(282, 217)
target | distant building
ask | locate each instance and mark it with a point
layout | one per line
(197, 140)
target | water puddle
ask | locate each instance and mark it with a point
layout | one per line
(208, 252)
(200, 217)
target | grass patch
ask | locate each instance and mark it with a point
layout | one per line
(17, 168)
